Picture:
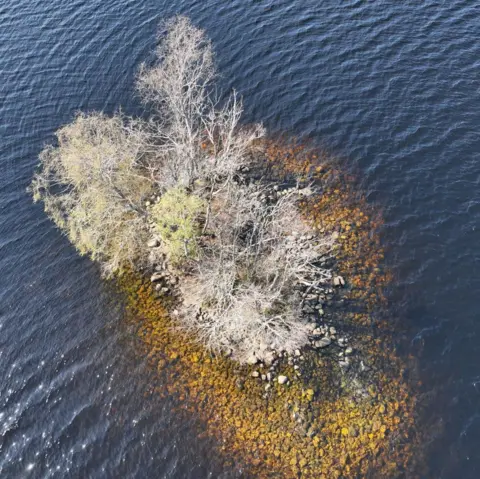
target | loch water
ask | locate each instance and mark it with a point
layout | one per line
(392, 88)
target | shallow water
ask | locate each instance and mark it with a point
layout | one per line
(391, 87)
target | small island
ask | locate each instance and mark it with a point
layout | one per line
(252, 265)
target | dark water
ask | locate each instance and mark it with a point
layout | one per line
(393, 87)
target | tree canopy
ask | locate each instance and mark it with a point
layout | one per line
(111, 183)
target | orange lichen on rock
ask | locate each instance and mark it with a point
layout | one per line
(322, 424)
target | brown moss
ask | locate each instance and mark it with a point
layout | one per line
(311, 428)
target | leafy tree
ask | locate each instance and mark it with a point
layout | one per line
(93, 188)
(177, 221)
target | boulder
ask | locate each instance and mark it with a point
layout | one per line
(323, 343)
(252, 359)
(156, 277)
(282, 379)
(153, 243)
(344, 363)
(268, 358)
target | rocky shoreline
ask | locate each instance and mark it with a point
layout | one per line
(339, 407)
(315, 299)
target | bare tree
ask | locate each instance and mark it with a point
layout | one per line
(93, 187)
(247, 278)
(193, 134)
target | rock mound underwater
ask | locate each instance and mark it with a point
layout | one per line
(347, 409)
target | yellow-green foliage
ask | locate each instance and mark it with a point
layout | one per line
(93, 187)
(177, 218)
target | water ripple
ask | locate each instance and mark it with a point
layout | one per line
(393, 87)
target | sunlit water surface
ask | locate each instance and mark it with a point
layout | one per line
(391, 87)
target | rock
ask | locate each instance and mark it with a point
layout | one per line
(252, 359)
(348, 350)
(268, 358)
(282, 379)
(156, 277)
(323, 343)
(264, 377)
(345, 363)
(297, 352)
(307, 191)
(269, 376)
(332, 330)
(364, 367)
(338, 281)
(153, 243)
(255, 374)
